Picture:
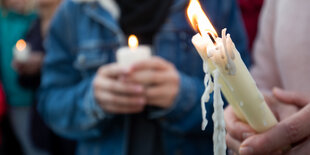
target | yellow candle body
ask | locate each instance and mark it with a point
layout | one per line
(239, 89)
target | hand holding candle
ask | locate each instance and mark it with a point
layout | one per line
(114, 95)
(158, 76)
(160, 79)
(223, 62)
(119, 96)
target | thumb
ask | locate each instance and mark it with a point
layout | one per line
(289, 131)
(291, 97)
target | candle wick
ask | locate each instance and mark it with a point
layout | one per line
(212, 38)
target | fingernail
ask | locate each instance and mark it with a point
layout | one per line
(247, 135)
(245, 150)
(277, 90)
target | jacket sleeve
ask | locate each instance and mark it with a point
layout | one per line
(265, 70)
(185, 115)
(66, 100)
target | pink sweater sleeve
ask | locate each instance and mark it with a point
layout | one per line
(265, 69)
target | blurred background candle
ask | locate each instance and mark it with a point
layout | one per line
(21, 51)
(127, 56)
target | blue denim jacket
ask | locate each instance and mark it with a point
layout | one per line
(84, 36)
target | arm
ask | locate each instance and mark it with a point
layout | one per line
(66, 101)
(265, 71)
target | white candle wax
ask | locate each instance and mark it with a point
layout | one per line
(21, 51)
(230, 76)
(239, 88)
(127, 56)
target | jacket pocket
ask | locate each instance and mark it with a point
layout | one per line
(93, 54)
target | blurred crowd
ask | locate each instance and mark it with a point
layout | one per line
(69, 96)
(23, 130)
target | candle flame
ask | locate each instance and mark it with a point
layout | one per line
(133, 41)
(199, 20)
(21, 45)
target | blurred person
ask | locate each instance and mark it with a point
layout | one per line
(15, 20)
(279, 62)
(29, 77)
(152, 107)
(2, 111)
(250, 10)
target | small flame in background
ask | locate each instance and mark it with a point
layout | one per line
(21, 45)
(133, 41)
(198, 19)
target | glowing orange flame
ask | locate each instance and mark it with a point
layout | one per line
(21, 45)
(198, 19)
(133, 41)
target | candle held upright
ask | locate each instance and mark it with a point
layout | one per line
(236, 83)
(21, 51)
(127, 56)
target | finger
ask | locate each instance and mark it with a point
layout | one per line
(280, 110)
(119, 87)
(289, 131)
(232, 143)
(153, 63)
(235, 127)
(113, 70)
(291, 97)
(162, 96)
(148, 77)
(123, 110)
(155, 96)
(303, 148)
(121, 100)
(285, 111)
(159, 102)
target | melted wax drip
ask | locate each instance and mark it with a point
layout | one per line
(218, 118)
(206, 95)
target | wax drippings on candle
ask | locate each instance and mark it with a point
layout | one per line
(230, 65)
(218, 115)
(241, 104)
(206, 95)
(218, 118)
(261, 95)
(230, 47)
(265, 123)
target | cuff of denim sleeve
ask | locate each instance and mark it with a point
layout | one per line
(183, 103)
(92, 108)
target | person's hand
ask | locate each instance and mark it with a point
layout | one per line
(238, 131)
(32, 66)
(160, 79)
(294, 130)
(115, 95)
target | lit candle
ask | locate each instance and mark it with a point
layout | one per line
(223, 62)
(21, 51)
(127, 56)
